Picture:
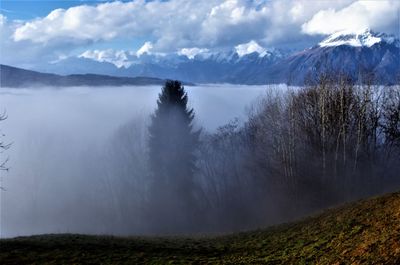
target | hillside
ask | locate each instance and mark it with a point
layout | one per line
(17, 77)
(366, 232)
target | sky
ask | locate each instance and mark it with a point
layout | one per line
(35, 31)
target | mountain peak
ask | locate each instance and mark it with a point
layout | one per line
(366, 38)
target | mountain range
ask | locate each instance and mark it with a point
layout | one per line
(350, 53)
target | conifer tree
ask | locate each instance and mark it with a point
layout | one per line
(172, 146)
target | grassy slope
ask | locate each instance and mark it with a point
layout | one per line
(367, 232)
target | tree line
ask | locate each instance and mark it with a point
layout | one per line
(300, 150)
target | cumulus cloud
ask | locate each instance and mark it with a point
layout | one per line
(24, 53)
(176, 24)
(3, 20)
(190, 27)
(106, 21)
(250, 47)
(378, 15)
(81, 23)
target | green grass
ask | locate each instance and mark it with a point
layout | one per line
(366, 232)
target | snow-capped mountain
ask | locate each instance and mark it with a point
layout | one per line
(204, 67)
(366, 38)
(351, 53)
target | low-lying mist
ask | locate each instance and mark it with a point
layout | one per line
(128, 161)
(71, 148)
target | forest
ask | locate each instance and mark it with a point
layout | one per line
(300, 150)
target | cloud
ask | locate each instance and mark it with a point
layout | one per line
(18, 53)
(107, 21)
(3, 20)
(176, 24)
(248, 48)
(188, 27)
(378, 15)
(78, 24)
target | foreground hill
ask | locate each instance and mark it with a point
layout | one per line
(17, 77)
(366, 232)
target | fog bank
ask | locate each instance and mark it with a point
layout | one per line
(56, 182)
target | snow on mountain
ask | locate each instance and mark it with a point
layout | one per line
(364, 38)
(118, 58)
(248, 63)
(250, 47)
(124, 59)
(192, 52)
(349, 53)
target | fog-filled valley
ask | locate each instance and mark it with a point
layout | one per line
(70, 147)
(111, 160)
(199, 132)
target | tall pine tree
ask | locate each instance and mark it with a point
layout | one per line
(172, 145)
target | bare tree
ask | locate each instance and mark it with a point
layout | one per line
(3, 147)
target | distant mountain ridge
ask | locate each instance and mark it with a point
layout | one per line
(216, 67)
(357, 39)
(354, 54)
(17, 77)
